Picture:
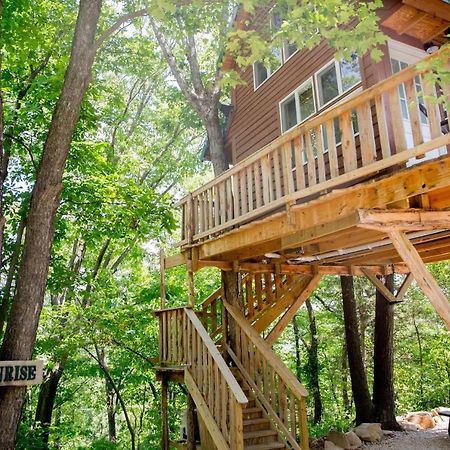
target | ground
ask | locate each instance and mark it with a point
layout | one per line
(435, 439)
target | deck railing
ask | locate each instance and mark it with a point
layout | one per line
(276, 388)
(184, 341)
(348, 142)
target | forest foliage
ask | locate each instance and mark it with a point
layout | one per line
(135, 150)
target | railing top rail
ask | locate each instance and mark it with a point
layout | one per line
(327, 115)
(162, 311)
(215, 295)
(288, 377)
(221, 364)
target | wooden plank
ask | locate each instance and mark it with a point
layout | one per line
(398, 128)
(387, 294)
(303, 422)
(243, 193)
(290, 313)
(205, 413)
(258, 291)
(320, 159)
(332, 151)
(276, 173)
(299, 170)
(235, 183)
(382, 127)
(422, 276)
(249, 175)
(434, 118)
(366, 134)
(265, 170)
(21, 372)
(348, 142)
(310, 160)
(288, 180)
(435, 8)
(257, 184)
(229, 200)
(413, 108)
(249, 294)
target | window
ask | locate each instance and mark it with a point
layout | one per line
(336, 78)
(288, 50)
(298, 106)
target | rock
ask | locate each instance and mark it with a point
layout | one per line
(369, 432)
(330, 446)
(388, 433)
(407, 426)
(353, 440)
(339, 439)
(422, 419)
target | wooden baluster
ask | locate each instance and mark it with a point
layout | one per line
(299, 168)
(199, 363)
(189, 342)
(268, 285)
(414, 115)
(276, 173)
(282, 401)
(189, 219)
(348, 142)
(292, 414)
(236, 426)
(266, 386)
(397, 121)
(366, 135)
(243, 188)
(229, 201)
(215, 193)
(311, 161)
(206, 210)
(320, 159)
(224, 407)
(223, 203)
(278, 284)
(213, 316)
(258, 290)
(249, 295)
(251, 360)
(266, 180)
(332, 151)
(244, 350)
(303, 425)
(434, 118)
(250, 188)
(217, 396)
(286, 162)
(257, 183)
(273, 390)
(236, 195)
(382, 127)
(210, 208)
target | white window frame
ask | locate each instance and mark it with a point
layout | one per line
(341, 91)
(285, 44)
(295, 93)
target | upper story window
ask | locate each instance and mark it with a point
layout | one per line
(298, 106)
(336, 78)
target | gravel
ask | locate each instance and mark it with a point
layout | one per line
(434, 439)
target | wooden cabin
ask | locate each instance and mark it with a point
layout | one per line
(337, 167)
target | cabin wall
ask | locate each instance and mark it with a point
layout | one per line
(255, 120)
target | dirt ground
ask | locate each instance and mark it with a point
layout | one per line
(435, 439)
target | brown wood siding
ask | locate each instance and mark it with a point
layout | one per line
(255, 120)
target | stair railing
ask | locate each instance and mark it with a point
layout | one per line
(216, 393)
(276, 388)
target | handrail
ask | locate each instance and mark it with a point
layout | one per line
(312, 158)
(276, 388)
(288, 377)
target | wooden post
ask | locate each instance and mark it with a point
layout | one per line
(191, 441)
(191, 289)
(303, 425)
(164, 415)
(422, 276)
(162, 273)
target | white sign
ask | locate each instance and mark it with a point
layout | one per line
(20, 373)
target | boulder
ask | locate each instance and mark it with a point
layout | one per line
(331, 446)
(339, 439)
(422, 419)
(353, 440)
(369, 432)
(388, 433)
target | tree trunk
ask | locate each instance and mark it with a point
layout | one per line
(47, 397)
(360, 389)
(344, 382)
(313, 363)
(20, 334)
(383, 361)
(216, 142)
(231, 289)
(298, 362)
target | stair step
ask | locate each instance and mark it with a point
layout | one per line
(252, 413)
(260, 434)
(267, 446)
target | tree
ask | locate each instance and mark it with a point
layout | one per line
(360, 388)
(20, 335)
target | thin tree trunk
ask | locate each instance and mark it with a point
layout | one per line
(47, 397)
(313, 364)
(360, 388)
(298, 362)
(344, 384)
(20, 334)
(383, 361)
(2, 155)
(419, 343)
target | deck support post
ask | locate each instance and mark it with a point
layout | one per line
(164, 415)
(421, 274)
(191, 444)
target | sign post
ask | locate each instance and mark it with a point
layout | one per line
(20, 373)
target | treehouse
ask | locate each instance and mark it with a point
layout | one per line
(337, 167)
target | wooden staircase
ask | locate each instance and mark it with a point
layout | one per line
(246, 398)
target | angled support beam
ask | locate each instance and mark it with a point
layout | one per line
(387, 294)
(290, 313)
(423, 277)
